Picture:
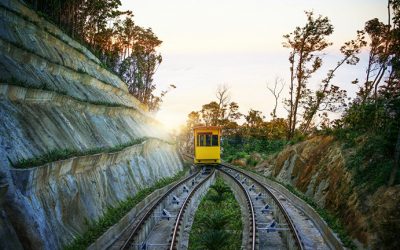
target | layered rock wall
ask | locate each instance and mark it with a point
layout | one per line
(54, 96)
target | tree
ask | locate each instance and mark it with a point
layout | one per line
(379, 34)
(122, 46)
(393, 82)
(138, 68)
(276, 92)
(304, 42)
(254, 125)
(210, 113)
(221, 112)
(329, 97)
(276, 129)
(228, 111)
(193, 120)
(223, 99)
(375, 113)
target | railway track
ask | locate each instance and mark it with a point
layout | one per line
(274, 222)
(311, 229)
(270, 226)
(174, 243)
(166, 214)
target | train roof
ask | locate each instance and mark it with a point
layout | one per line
(207, 127)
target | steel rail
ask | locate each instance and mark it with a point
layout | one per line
(251, 209)
(291, 225)
(153, 207)
(179, 218)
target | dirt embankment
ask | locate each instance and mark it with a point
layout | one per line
(317, 167)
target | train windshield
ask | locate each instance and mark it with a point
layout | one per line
(207, 140)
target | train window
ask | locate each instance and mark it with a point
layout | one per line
(202, 140)
(214, 140)
(208, 140)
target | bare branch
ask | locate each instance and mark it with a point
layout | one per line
(279, 85)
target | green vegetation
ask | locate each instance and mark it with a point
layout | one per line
(113, 214)
(217, 223)
(254, 137)
(369, 123)
(121, 45)
(62, 154)
(79, 49)
(242, 148)
(369, 131)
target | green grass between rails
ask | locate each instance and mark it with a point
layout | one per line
(114, 214)
(217, 223)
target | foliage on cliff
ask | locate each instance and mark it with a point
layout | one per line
(373, 117)
(112, 35)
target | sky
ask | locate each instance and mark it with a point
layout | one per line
(238, 43)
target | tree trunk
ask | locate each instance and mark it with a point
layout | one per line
(291, 88)
(396, 165)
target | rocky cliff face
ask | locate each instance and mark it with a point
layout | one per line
(54, 96)
(317, 168)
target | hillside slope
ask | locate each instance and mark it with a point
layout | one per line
(56, 97)
(317, 167)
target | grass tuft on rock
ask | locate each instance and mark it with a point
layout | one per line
(62, 154)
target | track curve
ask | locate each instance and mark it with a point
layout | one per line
(174, 240)
(156, 221)
(293, 241)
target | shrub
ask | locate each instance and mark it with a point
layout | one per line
(234, 148)
(216, 224)
(62, 154)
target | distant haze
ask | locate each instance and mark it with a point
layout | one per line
(239, 43)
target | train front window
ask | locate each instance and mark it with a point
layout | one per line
(208, 140)
(214, 140)
(204, 140)
(201, 140)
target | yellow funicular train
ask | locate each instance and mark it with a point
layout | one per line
(207, 148)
